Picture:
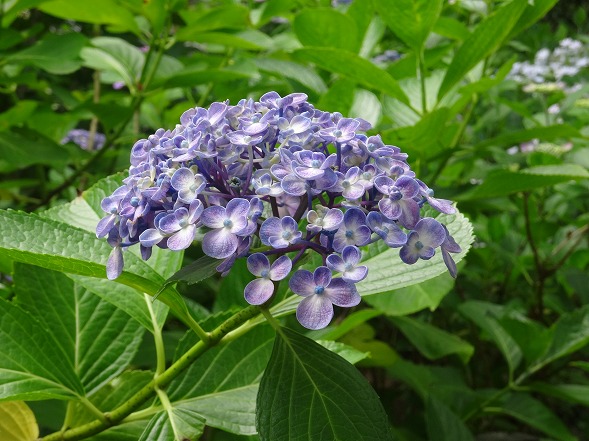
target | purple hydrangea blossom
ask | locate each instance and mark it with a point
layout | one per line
(259, 290)
(423, 240)
(252, 172)
(321, 292)
(279, 233)
(347, 264)
(227, 223)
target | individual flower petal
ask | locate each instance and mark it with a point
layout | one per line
(342, 293)
(183, 178)
(280, 268)
(115, 263)
(219, 243)
(257, 263)
(182, 239)
(150, 237)
(302, 283)
(322, 277)
(258, 291)
(315, 312)
(213, 217)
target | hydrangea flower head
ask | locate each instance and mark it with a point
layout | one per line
(271, 181)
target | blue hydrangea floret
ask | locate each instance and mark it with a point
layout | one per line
(272, 181)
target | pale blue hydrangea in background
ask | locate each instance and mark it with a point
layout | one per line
(271, 181)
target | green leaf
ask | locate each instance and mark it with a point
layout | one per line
(327, 26)
(115, 55)
(308, 392)
(222, 384)
(230, 16)
(504, 182)
(388, 273)
(191, 77)
(352, 66)
(249, 40)
(347, 352)
(534, 12)
(413, 298)
(443, 424)
(56, 54)
(174, 425)
(106, 12)
(199, 270)
(548, 133)
(410, 20)
(532, 412)
(486, 38)
(294, 71)
(18, 151)
(33, 366)
(432, 342)
(98, 339)
(569, 334)
(481, 313)
(573, 393)
(451, 28)
(17, 422)
(17, 114)
(69, 249)
(112, 395)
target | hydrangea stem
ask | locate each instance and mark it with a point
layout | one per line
(217, 337)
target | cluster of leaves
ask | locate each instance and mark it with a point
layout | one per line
(500, 352)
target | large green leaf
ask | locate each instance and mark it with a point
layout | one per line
(57, 54)
(175, 424)
(98, 339)
(33, 365)
(294, 71)
(19, 151)
(569, 334)
(308, 392)
(107, 12)
(17, 422)
(547, 133)
(115, 55)
(410, 20)
(532, 412)
(386, 271)
(229, 16)
(432, 342)
(72, 250)
(482, 314)
(413, 298)
(222, 384)
(443, 424)
(486, 38)
(352, 66)
(506, 182)
(328, 27)
(573, 393)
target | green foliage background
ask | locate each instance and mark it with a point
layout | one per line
(499, 353)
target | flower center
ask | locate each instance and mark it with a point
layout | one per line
(348, 266)
(134, 201)
(315, 163)
(227, 223)
(371, 147)
(337, 133)
(184, 144)
(418, 245)
(349, 234)
(265, 273)
(319, 289)
(286, 235)
(346, 184)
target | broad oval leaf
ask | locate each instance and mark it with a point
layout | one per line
(310, 393)
(410, 20)
(327, 26)
(17, 422)
(354, 67)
